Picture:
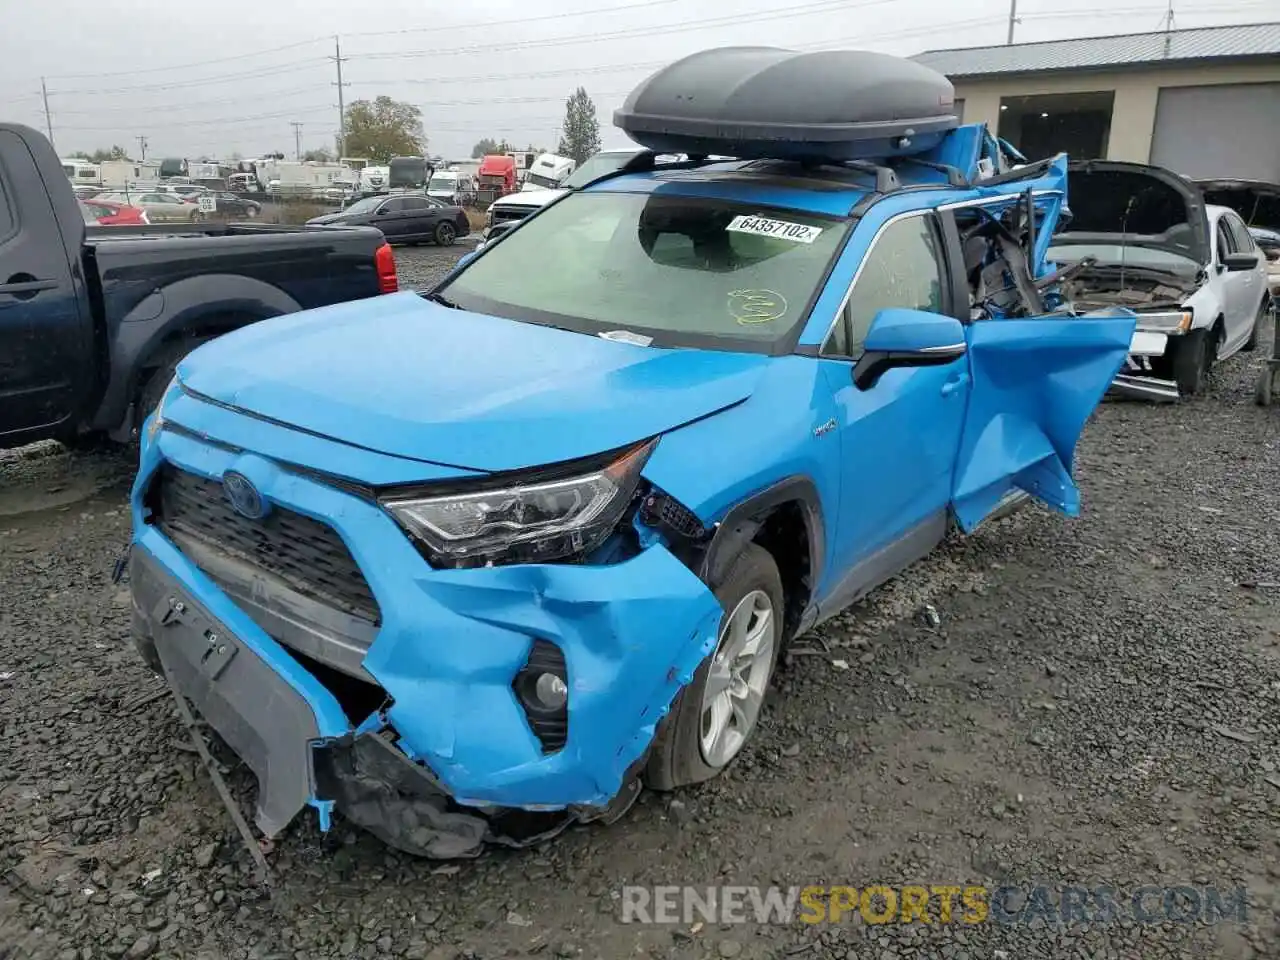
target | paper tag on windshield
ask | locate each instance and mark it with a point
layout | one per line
(778, 229)
(626, 336)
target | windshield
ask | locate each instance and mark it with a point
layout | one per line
(367, 205)
(1131, 255)
(540, 181)
(443, 183)
(685, 272)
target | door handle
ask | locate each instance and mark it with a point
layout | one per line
(19, 284)
(954, 384)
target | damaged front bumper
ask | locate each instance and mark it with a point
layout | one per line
(444, 756)
(1152, 340)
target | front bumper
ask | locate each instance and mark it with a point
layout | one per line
(1136, 378)
(444, 654)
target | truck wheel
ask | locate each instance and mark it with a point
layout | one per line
(446, 233)
(715, 715)
(1258, 321)
(1191, 361)
(154, 385)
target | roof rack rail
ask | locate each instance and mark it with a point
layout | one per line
(645, 162)
(1028, 172)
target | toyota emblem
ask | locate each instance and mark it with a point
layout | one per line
(243, 495)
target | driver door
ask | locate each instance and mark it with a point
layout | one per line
(1035, 381)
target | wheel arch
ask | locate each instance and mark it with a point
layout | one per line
(786, 519)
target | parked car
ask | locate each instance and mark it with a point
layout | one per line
(1143, 238)
(183, 191)
(231, 205)
(102, 213)
(1268, 242)
(160, 207)
(479, 560)
(92, 324)
(406, 218)
(84, 191)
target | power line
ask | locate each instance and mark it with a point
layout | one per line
(519, 21)
(803, 9)
(276, 70)
(187, 66)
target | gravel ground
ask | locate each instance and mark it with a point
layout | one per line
(1096, 702)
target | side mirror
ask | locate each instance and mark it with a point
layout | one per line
(1235, 262)
(907, 338)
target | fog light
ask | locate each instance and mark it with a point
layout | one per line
(551, 691)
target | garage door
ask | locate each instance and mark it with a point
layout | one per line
(1219, 131)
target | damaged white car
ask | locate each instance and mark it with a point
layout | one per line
(1143, 238)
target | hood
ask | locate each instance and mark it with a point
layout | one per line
(401, 375)
(1143, 205)
(1257, 201)
(528, 199)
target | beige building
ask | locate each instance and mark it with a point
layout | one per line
(1204, 102)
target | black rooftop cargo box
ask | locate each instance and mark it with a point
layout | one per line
(768, 103)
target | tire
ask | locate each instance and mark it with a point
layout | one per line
(251, 213)
(1191, 360)
(446, 233)
(1252, 343)
(679, 755)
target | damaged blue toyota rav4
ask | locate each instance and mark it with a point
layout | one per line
(472, 565)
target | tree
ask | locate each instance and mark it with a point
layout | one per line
(115, 153)
(489, 147)
(384, 128)
(319, 156)
(580, 135)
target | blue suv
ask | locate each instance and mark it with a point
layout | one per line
(475, 564)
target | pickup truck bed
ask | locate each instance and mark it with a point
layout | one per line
(93, 319)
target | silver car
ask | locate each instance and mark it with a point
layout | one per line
(160, 207)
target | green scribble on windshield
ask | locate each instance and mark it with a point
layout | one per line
(757, 306)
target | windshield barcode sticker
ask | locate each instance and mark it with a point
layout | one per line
(779, 229)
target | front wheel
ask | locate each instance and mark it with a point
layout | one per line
(715, 715)
(1191, 360)
(446, 233)
(251, 212)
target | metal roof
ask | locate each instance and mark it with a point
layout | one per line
(1093, 53)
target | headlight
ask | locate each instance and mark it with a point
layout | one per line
(1174, 321)
(156, 423)
(545, 518)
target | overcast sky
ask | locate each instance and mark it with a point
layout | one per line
(199, 78)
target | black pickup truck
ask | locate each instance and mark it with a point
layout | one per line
(94, 319)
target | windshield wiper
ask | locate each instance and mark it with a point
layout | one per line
(441, 299)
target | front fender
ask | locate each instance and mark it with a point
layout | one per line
(225, 300)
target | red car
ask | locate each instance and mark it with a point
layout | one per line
(104, 213)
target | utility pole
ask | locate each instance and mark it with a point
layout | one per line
(342, 110)
(142, 145)
(297, 139)
(1013, 19)
(48, 122)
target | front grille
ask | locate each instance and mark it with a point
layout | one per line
(307, 554)
(509, 213)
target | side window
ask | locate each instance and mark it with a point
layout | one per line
(415, 203)
(903, 268)
(392, 206)
(1239, 234)
(1225, 244)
